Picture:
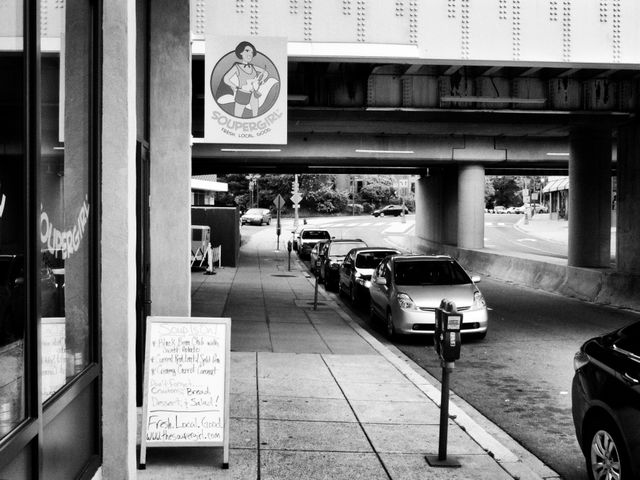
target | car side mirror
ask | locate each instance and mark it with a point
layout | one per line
(476, 278)
(381, 281)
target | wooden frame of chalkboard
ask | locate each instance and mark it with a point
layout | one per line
(186, 384)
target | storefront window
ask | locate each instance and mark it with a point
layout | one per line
(65, 209)
(12, 220)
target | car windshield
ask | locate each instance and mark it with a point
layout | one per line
(371, 259)
(341, 249)
(315, 234)
(254, 211)
(430, 272)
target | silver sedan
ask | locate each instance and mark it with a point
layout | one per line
(406, 290)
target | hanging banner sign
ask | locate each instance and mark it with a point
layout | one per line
(245, 90)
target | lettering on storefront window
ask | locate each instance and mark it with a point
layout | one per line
(65, 241)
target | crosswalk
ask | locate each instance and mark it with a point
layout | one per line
(385, 226)
(497, 224)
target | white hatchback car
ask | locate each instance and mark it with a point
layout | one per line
(406, 290)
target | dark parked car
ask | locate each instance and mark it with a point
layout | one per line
(356, 270)
(606, 403)
(394, 210)
(256, 216)
(331, 257)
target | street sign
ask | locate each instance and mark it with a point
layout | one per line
(295, 198)
(279, 202)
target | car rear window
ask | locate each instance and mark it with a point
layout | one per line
(430, 272)
(341, 249)
(371, 259)
(315, 234)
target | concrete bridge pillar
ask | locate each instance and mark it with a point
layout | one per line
(471, 206)
(590, 198)
(429, 207)
(450, 207)
(628, 199)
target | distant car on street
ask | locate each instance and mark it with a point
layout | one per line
(395, 210)
(499, 209)
(539, 208)
(357, 268)
(605, 403)
(331, 257)
(406, 290)
(256, 216)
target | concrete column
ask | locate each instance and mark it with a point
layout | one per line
(170, 157)
(471, 206)
(118, 243)
(590, 198)
(429, 207)
(628, 199)
(450, 208)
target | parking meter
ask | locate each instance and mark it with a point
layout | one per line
(289, 245)
(447, 332)
(447, 345)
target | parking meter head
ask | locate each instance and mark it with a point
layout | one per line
(447, 332)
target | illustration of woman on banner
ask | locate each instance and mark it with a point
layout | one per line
(249, 83)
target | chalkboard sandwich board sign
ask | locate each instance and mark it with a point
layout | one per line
(186, 384)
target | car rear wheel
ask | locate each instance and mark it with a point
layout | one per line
(353, 296)
(607, 457)
(372, 314)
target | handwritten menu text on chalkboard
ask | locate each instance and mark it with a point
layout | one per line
(186, 373)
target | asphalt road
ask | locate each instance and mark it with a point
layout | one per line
(520, 375)
(501, 234)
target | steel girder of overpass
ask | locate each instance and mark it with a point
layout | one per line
(397, 140)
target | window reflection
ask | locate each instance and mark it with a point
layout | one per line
(12, 220)
(64, 202)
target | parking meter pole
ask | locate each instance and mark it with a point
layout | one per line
(315, 295)
(278, 232)
(447, 367)
(441, 460)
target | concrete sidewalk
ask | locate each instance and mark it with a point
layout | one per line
(542, 226)
(315, 396)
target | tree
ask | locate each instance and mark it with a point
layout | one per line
(506, 192)
(489, 192)
(378, 190)
(326, 200)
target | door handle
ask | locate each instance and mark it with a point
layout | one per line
(629, 378)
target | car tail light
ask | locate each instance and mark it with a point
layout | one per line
(405, 301)
(580, 359)
(478, 300)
